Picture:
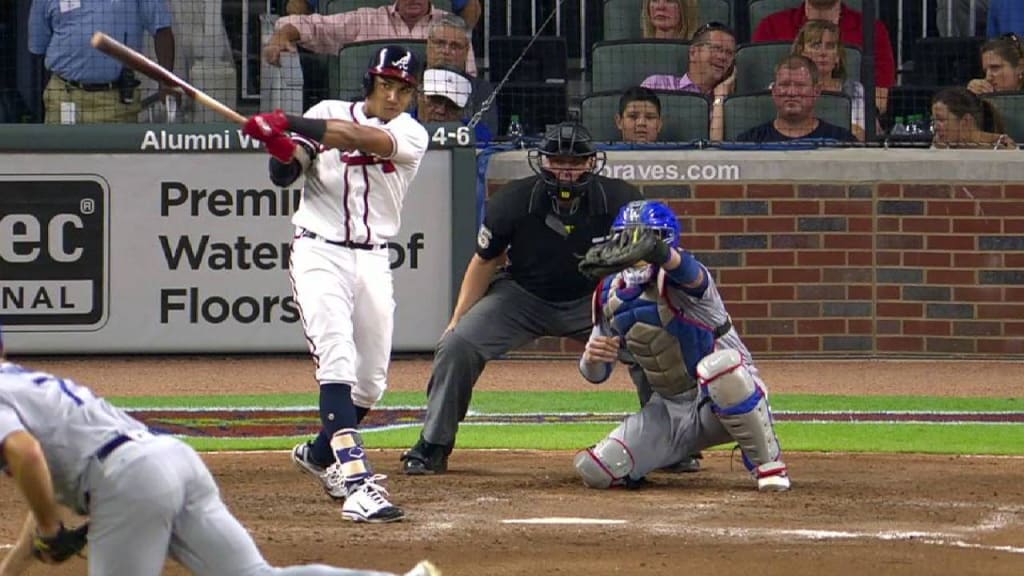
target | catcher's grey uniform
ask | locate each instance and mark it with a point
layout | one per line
(147, 496)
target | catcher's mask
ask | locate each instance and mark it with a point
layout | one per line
(393, 61)
(642, 215)
(566, 161)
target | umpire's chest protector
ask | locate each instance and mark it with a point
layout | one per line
(661, 339)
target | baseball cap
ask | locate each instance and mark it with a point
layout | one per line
(447, 83)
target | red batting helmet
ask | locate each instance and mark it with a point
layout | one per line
(393, 62)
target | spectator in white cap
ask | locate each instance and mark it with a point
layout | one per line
(443, 98)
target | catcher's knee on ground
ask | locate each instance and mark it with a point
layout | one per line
(606, 464)
(741, 407)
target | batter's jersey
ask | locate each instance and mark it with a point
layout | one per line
(351, 196)
(68, 421)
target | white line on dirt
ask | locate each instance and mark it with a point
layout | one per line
(563, 520)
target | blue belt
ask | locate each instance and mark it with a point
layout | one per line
(108, 448)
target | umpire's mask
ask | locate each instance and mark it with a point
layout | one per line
(566, 161)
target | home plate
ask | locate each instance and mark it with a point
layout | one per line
(562, 520)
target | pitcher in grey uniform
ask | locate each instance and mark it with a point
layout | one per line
(147, 496)
(666, 311)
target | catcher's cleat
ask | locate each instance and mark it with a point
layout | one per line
(330, 478)
(367, 502)
(687, 465)
(772, 477)
(425, 458)
(424, 568)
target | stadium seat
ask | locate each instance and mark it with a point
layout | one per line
(623, 19)
(743, 112)
(1011, 107)
(946, 61)
(546, 61)
(755, 64)
(758, 9)
(621, 64)
(684, 116)
(336, 6)
(346, 76)
(538, 105)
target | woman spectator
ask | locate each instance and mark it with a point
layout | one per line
(963, 119)
(1002, 59)
(819, 41)
(670, 19)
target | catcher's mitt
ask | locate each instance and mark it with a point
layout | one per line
(624, 251)
(61, 546)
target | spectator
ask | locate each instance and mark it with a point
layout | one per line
(639, 117)
(469, 10)
(784, 26)
(327, 34)
(1002, 59)
(448, 45)
(670, 19)
(962, 119)
(712, 70)
(87, 86)
(445, 94)
(819, 41)
(1004, 17)
(795, 91)
(960, 24)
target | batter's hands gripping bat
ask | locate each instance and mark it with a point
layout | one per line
(140, 63)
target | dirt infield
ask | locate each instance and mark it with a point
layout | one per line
(846, 514)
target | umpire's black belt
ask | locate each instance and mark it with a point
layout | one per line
(343, 243)
(102, 87)
(108, 448)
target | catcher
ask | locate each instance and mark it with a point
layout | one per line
(147, 496)
(662, 305)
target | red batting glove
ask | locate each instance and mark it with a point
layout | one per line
(265, 126)
(281, 147)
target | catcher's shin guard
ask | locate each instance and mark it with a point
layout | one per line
(743, 410)
(604, 465)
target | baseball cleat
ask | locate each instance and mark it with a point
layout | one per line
(424, 568)
(367, 502)
(772, 477)
(330, 478)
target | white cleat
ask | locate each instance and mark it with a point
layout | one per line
(367, 502)
(330, 478)
(772, 477)
(424, 568)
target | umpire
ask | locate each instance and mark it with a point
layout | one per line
(542, 226)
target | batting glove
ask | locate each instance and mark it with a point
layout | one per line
(282, 147)
(266, 126)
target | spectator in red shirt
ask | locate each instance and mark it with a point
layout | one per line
(783, 26)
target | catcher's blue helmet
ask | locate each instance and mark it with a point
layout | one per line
(393, 61)
(650, 215)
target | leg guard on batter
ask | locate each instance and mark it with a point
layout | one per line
(347, 445)
(604, 465)
(743, 410)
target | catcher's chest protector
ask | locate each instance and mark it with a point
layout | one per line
(665, 344)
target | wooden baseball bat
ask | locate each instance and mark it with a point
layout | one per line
(143, 65)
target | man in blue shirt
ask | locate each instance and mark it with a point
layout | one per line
(1005, 17)
(86, 86)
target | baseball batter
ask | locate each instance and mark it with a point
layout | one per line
(358, 159)
(662, 305)
(147, 496)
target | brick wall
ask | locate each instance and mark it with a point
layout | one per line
(884, 269)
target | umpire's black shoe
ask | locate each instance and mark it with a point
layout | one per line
(425, 458)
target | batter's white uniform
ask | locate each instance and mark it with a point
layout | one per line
(147, 496)
(340, 266)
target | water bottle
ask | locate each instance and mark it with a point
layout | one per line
(899, 129)
(515, 131)
(914, 125)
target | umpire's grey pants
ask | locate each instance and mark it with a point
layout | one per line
(506, 318)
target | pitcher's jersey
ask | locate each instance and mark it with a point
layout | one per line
(69, 421)
(350, 196)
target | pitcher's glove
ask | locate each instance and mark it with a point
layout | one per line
(624, 251)
(61, 546)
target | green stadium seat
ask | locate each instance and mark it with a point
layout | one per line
(346, 74)
(620, 64)
(743, 112)
(684, 116)
(1011, 107)
(755, 64)
(623, 20)
(758, 9)
(337, 6)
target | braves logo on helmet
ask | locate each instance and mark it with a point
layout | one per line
(393, 61)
